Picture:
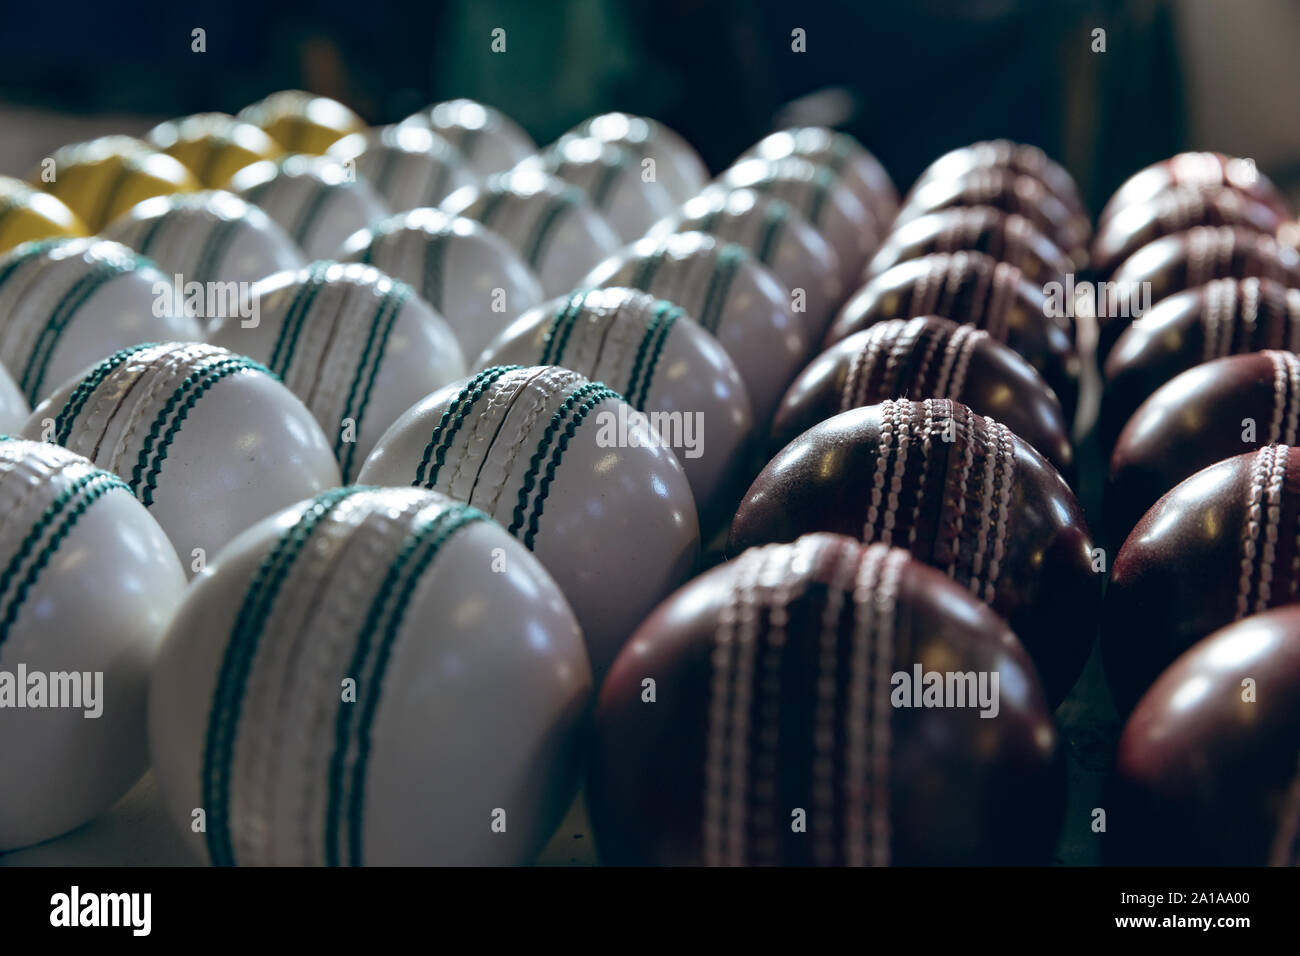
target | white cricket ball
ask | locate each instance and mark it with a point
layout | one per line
(676, 163)
(779, 237)
(213, 239)
(469, 274)
(13, 406)
(357, 347)
(373, 676)
(565, 465)
(844, 156)
(728, 292)
(316, 199)
(827, 203)
(209, 441)
(88, 584)
(67, 303)
(490, 141)
(547, 221)
(409, 166)
(612, 179)
(660, 360)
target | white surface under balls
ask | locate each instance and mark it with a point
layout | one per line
(562, 465)
(316, 199)
(209, 441)
(376, 677)
(88, 582)
(67, 303)
(469, 274)
(358, 348)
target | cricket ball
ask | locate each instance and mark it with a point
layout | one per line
(315, 199)
(731, 295)
(674, 161)
(770, 702)
(302, 122)
(27, 214)
(209, 441)
(661, 361)
(89, 585)
(1018, 158)
(211, 238)
(371, 677)
(1011, 192)
(490, 141)
(1195, 169)
(410, 167)
(1207, 771)
(101, 179)
(927, 357)
(1006, 237)
(547, 221)
(964, 495)
(213, 146)
(470, 275)
(357, 347)
(1221, 318)
(1216, 548)
(67, 303)
(827, 204)
(612, 180)
(1177, 209)
(778, 237)
(971, 288)
(14, 410)
(1188, 259)
(1208, 413)
(565, 465)
(844, 156)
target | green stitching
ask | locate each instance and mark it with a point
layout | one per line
(539, 503)
(223, 720)
(392, 304)
(441, 439)
(63, 422)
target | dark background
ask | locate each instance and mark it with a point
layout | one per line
(912, 78)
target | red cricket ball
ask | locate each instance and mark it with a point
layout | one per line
(1207, 772)
(1221, 545)
(971, 288)
(1195, 169)
(927, 357)
(963, 494)
(770, 713)
(1006, 237)
(1221, 318)
(1208, 413)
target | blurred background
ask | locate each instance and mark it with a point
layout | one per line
(911, 79)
